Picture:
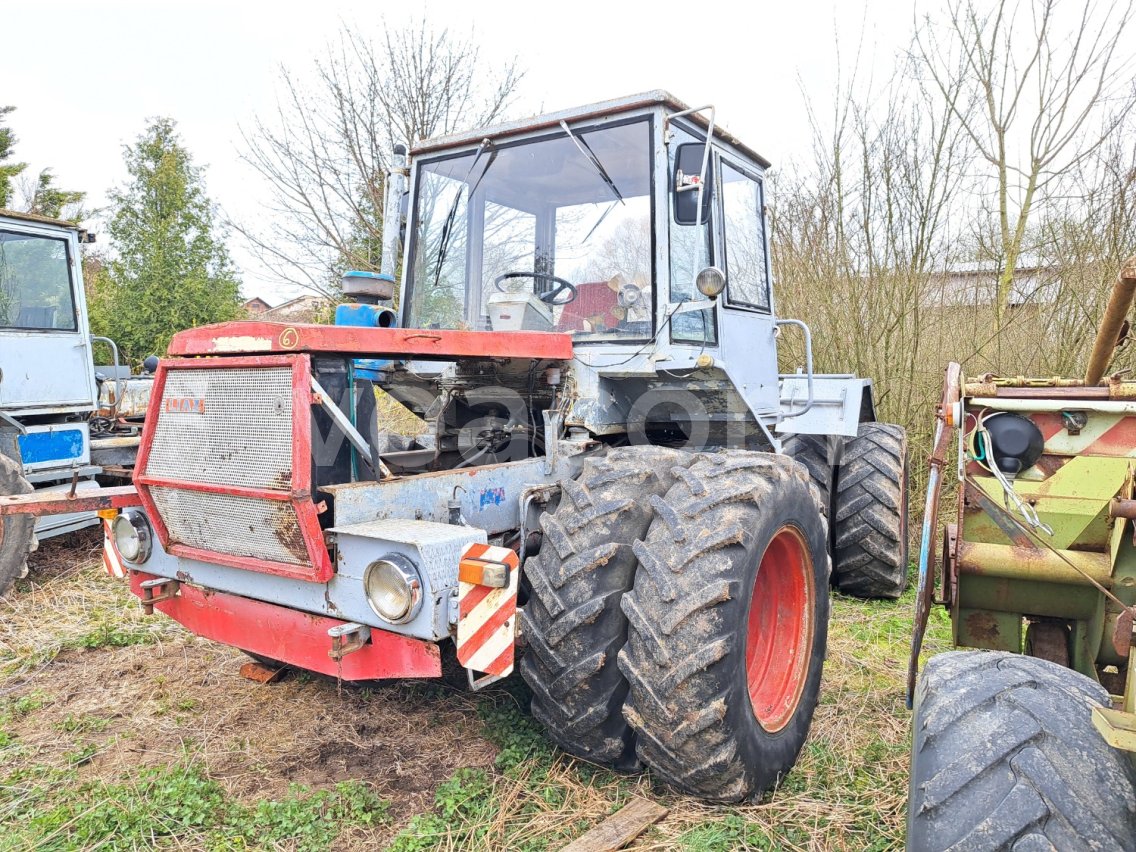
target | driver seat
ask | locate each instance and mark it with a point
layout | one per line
(593, 309)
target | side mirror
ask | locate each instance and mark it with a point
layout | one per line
(686, 181)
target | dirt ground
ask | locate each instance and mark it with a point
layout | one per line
(154, 702)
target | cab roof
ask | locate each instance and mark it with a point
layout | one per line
(657, 97)
(37, 219)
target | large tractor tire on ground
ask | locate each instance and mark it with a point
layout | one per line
(870, 513)
(17, 532)
(1005, 757)
(820, 455)
(572, 624)
(728, 625)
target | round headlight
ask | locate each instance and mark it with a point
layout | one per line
(393, 588)
(710, 282)
(132, 537)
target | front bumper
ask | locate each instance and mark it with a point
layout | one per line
(290, 636)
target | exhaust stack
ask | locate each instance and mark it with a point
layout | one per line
(1108, 336)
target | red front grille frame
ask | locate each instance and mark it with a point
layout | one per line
(319, 568)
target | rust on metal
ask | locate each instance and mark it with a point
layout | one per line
(1049, 640)
(948, 592)
(983, 627)
(1120, 390)
(1121, 508)
(1049, 465)
(260, 673)
(1122, 633)
(53, 503)
(1029, 562)
(982, 389)
(1108, 335)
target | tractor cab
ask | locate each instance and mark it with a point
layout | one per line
(637, 227)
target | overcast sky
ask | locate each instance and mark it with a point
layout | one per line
(85, 76)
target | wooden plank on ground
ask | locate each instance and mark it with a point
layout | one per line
(620, 828)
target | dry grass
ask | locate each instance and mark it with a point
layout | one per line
(92, 692)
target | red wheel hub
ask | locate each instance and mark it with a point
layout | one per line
(779, 635)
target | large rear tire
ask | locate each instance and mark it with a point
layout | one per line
(819, 454)
(17, 532)
(729, 621)
(572, 624)
(1005, 756)
(870, 514)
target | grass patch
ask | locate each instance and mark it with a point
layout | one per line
(51, 810)
(847, 791)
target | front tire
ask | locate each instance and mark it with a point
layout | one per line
(572, 624)
(729, 622)
(1005, 757)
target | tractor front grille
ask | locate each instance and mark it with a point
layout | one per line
(238, 526)
(219, 469)
(225, 426)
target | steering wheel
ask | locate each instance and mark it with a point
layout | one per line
(548, 298)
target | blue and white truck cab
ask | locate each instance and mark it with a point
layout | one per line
(60, 425)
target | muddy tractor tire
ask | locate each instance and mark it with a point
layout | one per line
(572, 625)
(729, 621)
(870, 514)
(816, 453)
(17, 532)
(1005, 756)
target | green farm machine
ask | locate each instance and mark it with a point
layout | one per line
(1030, 743)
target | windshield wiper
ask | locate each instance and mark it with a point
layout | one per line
(595, 161)
(447, 229)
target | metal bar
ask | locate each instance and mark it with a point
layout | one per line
(1120, 508)
(40, 503)
(1098, 392)
(924, 598)
(1050, 404)
(392, 211)
(119, 384)
(1069, 567)
(319, 572)
(1108, 336)
(361, 342)
(213, 488)
(342, 421)
(808, 364)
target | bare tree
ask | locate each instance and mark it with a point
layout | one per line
(1039, 86)
(326, 149)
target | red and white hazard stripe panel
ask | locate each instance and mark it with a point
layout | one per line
(1106, 434)
(111, 560)
(487, 610)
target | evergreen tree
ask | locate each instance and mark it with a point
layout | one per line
(7, 170)
(50, 201)
(170, 269)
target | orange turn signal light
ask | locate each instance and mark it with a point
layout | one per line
(480, 572)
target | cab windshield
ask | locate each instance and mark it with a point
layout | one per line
(548, 235)
(35, 283)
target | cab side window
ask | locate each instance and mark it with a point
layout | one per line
(747, 270)
(690, 251)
